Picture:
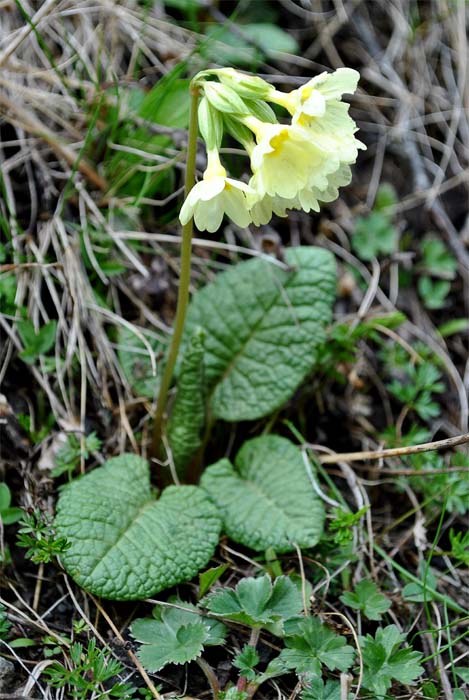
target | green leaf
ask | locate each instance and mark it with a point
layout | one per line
(264, 325)
(374, 235)
(8, 287)
(11, 515)
(164, 646)
(270, 37)
(318, 690)
(167, 103)
(45, 338)
(187, 420)
(368, 599)
(256, 602)
(22, 643)
(124, 545)
(27, 332)
(184, 613)
(463, 673)
(313, 646)
(209, 577)
(228, 48)
(5, 624)
(459, 694)
(433, 292)
(266, 500)
(459, 546)
(421, 592)
(455, 325)
(385, 197)
(384, 660)
(249, 45)
(437, 260)
(36, 343)
(177, 635)
(5, 497)
(245, 661)
(136, 360)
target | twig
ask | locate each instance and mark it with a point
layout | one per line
(395, 451)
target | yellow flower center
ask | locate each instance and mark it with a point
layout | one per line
(303, 120)
(278, 140)
(306, 92)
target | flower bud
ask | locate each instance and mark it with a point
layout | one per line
(261, 110)
(224, 98)
(210, 124)
(250, 86)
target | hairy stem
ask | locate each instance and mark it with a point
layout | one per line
(184, 280)
(242, 684)
(210, 676)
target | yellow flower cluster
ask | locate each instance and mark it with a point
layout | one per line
(294, 165)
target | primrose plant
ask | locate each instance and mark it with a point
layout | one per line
(239, 351)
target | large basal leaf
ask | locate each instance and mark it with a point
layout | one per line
(263, 327)
(124, 544)
(266, 500)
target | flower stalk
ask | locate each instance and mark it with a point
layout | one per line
(184, 279)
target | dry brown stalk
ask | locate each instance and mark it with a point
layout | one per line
(447, 443)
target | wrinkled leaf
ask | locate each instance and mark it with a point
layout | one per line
(266, 500)
(124, 544)
(188, 414)
(263, 328)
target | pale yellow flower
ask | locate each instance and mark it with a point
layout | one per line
(286, 160)
(214, 196)
(312, 97)
(316, 107)
(263, 207)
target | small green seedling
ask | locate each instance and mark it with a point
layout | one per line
(36, 343)
(385, 660)
(68, 457)
(38, 535)
(375, 234)
(89, 668)
(367, 598)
